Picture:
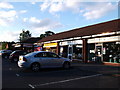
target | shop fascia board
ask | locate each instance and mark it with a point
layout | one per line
(107, 34)
(104, 39)
(91, 36)
(118, 32)
(104, 34)
(73, 42)
(85, 37)
(39, 44)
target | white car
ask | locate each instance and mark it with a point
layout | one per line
(43, 59)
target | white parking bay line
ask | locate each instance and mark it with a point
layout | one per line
(33, 86)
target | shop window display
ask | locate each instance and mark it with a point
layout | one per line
(112, 52)
(64, 51)
(77, 52)
(91, 54)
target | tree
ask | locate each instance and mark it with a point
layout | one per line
(47, 33)
(24, 35)
(4, 45)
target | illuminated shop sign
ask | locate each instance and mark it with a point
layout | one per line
(50, 45)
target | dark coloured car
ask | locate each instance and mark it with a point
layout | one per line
(14, 56)
(5, 53)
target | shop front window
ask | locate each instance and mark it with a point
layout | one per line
(64, 51)
(77, 51)
(91, 51)
(111, 52)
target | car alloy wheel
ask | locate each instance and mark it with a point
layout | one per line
(6, 56)
(35, 67)
(66, 65)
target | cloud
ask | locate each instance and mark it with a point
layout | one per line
(97, 11)
(41, 25)
(33, 3)
(6, 17)
(60, 6)
(89, 10)
(7, 14)
(56, 7)
(8, 35)
(5, 5)
(23, 11)
(45, 5)
(25, 19)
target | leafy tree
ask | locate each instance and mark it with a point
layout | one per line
(24, 35)
(42, 36)
(47, 33)
(4, 45)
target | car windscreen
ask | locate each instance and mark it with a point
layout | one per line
(13, 52)
(29, 54)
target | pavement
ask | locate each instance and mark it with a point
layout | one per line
(98, 67)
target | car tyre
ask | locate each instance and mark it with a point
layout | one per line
(15, 59)
(6, 57)
(66, 65)
(35, 67)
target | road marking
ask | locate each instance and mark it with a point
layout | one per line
(33, 86)
(17, 75)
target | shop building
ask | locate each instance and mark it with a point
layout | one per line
(29, 44)
(52, 47)
(99, 42)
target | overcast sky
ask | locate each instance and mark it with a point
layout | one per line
(39, 17)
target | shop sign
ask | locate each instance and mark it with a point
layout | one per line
(75, 42)
(50, 45)
(63, 43)
(117, 42)
(27, 45)
(71, 42)
(104, 39)
(92, 51)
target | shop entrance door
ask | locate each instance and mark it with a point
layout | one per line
(99, 52)
(70, 51)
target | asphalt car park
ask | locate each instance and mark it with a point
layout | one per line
(78, 76)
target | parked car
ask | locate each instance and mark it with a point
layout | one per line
(43, 59)
(5, 53)
(14, 56)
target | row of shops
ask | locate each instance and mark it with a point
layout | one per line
(98, 49)
(98, 43)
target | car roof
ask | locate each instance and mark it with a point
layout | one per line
(19, 50)
(40, 52)
(36, 52)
